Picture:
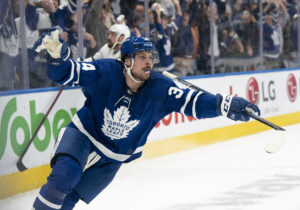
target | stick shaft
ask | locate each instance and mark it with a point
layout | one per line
(194, 87)
(20, 165)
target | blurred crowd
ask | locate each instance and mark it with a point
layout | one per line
(187, 40)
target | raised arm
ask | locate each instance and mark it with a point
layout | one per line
(60, 67)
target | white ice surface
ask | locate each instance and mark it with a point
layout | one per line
(232, 175)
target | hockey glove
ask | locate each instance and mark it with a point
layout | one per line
(57, 50)
(232, 107)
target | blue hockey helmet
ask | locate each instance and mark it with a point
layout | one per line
(135, 44)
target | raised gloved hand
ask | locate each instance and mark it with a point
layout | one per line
(232, 107)
(56, 48)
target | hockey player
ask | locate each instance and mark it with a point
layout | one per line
(116, 35)
(124, 101)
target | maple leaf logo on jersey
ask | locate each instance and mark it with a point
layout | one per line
(118, 126)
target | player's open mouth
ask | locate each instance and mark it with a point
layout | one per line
(147, 70)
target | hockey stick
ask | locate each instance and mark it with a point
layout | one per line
(20, 165)
(272, 147)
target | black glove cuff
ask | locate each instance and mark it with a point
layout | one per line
(55, 62)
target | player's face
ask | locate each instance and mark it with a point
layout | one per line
(143, 64)
(111, 38)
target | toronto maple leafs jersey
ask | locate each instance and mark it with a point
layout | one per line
(117, 121)
(271, 42)
(163, 46)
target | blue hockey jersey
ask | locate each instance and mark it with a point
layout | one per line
(163, 46)
(118, 121)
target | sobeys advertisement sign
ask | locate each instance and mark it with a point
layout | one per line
(21, 115)
(28, 128)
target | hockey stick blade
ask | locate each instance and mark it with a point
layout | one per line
(20, 165)
(272, 147)
(280, 134)
(276, 143)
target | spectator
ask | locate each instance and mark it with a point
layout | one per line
(291, 6)
(281, 21)
(161, 40)
(224, 41)
(8, 47)
(132, 9)
(61, 16)
(193, 8)
(109, 19)
(234, 46)
(223, 10)
(271, 44)
(171, 22)
(294, 37)
(247, 30)
(89, 40)
(137, 25)
(139, 8)
(116, 8)
(254, 10)
(34, 22)
(204, 37)
(94, 24)
(237, 10)
(183, 46)
(39, 18)
(196, 40)
(214, 50)
(183, 39)
(116, 36)
(169, 8)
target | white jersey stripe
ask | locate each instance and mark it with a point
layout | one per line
(59, 137)
(78, 73)
(187, 100)
(48, 203)
(194, 104)
(72, 73)
(107, 152)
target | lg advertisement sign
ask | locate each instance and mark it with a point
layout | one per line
(267, 89)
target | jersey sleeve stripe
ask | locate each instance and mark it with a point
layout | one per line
(194, 104)
(72, 73)
(78, 73)
(187, 100)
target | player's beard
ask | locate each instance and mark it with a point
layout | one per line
(109, 43)
(143, 75)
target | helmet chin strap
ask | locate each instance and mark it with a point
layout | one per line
(128, 71)
(117, 41)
